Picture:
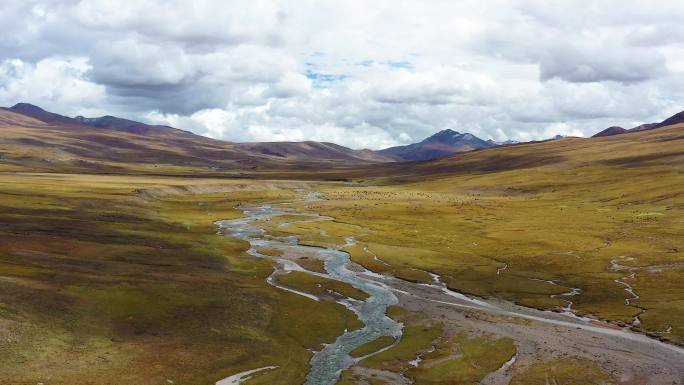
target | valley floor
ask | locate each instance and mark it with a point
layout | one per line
(510, 343)
(122, 279)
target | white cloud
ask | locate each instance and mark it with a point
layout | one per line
(362, 74)
(56, 83)
(290, 85)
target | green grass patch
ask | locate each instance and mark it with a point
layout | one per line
(319, 285)
(415, 338)
(373, 346)
(563, 372)
(462, 360)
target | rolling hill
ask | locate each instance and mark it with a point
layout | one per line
(113, 123)
(658, 147)
(41, 140)
(312, 150)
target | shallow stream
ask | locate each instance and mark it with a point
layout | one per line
(328, 363)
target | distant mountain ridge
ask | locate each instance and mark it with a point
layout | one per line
(104, 122)
(615, 130)
(444, 143)
(115, 137)
(37, 139)
(40, 114)
(312, 149)
(119, 124)
(674, 119)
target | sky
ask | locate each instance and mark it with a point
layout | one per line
(364, 74)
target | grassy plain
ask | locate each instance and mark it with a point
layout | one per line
(111, 280)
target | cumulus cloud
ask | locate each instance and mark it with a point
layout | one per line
(593, 64)
(357, 73)
(60, 83)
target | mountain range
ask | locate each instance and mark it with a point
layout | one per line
(103, 131)
(42, 140)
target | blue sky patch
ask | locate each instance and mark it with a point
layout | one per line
(319, 78)
(399, 64)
